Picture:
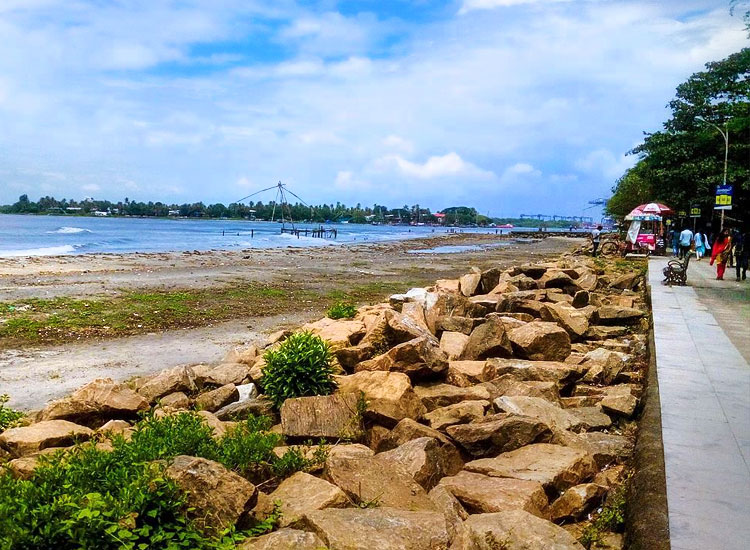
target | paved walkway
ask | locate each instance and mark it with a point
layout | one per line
(704, 387)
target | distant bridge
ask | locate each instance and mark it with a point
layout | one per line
(555, 218)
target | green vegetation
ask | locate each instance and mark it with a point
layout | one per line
(610, 518)
(342, 310)
(8, 417)
(294, 460)
(120, 499)
(682, 164)
(301, 366)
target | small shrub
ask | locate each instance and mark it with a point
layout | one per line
(8, 417)
(301, 366)
(342, 310)
(294, 460)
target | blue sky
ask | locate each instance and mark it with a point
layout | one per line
(511, 106)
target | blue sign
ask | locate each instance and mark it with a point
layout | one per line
(723, 197)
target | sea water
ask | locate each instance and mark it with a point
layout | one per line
(22, 236)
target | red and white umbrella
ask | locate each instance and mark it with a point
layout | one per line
(655, 208)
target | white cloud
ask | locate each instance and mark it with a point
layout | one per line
(471, 5)
(397, 142)
(91, 188)
(450, 164)
(602, 162)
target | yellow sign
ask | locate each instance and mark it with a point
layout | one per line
(681, 213)
(723, 200)
(695, 212)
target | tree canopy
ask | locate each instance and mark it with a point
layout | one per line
(682, 164)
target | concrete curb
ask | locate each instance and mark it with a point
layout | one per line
(647, 517)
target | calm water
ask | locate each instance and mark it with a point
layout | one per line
(54, 235)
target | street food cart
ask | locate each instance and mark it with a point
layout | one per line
(646, 231)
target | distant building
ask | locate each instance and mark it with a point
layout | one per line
(100, 213)
(440, 217)
(73, 209)
(173, 213)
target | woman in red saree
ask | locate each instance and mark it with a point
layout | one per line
(720, 253)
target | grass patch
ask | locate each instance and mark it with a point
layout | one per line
(341, 310)
(9, 418)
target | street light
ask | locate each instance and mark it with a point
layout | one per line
(725, 134)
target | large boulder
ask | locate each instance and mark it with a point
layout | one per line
(515, 530)
(482, 494)
(459, 413)
(549, 413)
(617, 315)
(453, 512)
(230, 373)
(577, 501)
(327, 416)
(489, 339)
(176, 379)
(420, 358)
(626, 281)
(541, 371)
(442, 395)
(426, 459)
(507, 384)
(453, 344)
(464, 325)
(369, 481)
(469, 373)
(605, 448)
(302, 493)
(218, 496)
(41, 435)
(240, 410)
(382, 528)
(95, 403)
(284, 539)
(553, 278)
(390, 396)
(498, 434)
(574, 321)
(554, 466)
(216, 399)
(470, 283)
(541, 341)
(339, 333)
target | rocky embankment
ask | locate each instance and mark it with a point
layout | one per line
(496, 411)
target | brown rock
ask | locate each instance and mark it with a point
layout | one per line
(228, 373)
(349, 450)
(168, 381)
(573, 320)
(41, 435)
(415, 311)
(556, 279)
(540, 341)
(488, 340)
(626, 281)
(503, 287)
(95, 403)
(390, 396)
(424, 458)
(482, 494)
(619, 400)
(542, 371)
(215, 399)
(378, 528)
(453, 344)
(459, 413)
(328, 416)
(469, 373)
(523, 282)
(369, 480)
(442, 395)
(339, 333)
(464, 325)
(419, 358)
(240, 410)
(549, 413)
(616, 315)
(530, 270)
(175, 400)
(469, 283)
(454, 513)
(401, 328)
(498, 434)
(516, 530)
(577, 501)
(284, 539)
(551, 465)
(302, 493)
(581, 299)
(507, 384)
(220, 497)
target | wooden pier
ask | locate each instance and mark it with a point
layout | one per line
(321, 233)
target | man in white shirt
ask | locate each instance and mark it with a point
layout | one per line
(596, 238)
(686, 239)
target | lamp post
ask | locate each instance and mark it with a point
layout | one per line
(725, 134)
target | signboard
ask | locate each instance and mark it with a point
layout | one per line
(695, 212)
(681, 214)
(723, 197)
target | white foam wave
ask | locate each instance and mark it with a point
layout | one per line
(70, 230)
(45, 251)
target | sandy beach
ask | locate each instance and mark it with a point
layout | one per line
(32, 374)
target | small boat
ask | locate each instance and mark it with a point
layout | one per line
(506, 226)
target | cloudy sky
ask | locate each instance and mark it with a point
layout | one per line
(511, 106)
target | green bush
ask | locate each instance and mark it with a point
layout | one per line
(8, 417)
(301, 366)
(90, 498)
(342, 310)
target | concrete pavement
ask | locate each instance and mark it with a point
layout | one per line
(704, 389)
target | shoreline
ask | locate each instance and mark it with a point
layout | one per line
(295, 287)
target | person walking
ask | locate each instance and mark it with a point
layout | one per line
(675, 242)
(596, 236)
(720, 253)
(686, 239)
(741, 246)
(700, 240)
